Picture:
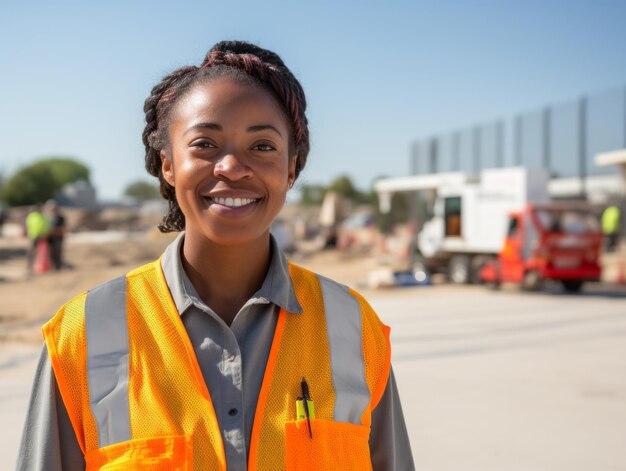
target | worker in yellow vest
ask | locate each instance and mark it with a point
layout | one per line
(37, 228)
(221, 355)
(610, 227)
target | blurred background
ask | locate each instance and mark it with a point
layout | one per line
(467, 174)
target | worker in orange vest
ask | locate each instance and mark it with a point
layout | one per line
(221, 354)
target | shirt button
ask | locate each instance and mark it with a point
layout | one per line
(233, 412)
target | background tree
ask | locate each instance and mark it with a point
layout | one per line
(2, 183)
(312, 195)
(39, 181)
(142, 190)
(399, 212)
(343, 186)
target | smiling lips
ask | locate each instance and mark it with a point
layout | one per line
(232, 202)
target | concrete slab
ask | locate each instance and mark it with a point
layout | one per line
(511, 380)
(17, 369)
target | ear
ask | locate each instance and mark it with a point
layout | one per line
(167, 168)
(291, 171)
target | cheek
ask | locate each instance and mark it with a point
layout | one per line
(280, 177)
(189, 169)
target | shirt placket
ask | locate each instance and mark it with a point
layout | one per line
(232, 403)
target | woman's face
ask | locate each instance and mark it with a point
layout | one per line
(228, 161)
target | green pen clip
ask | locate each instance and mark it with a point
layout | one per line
(300, 414)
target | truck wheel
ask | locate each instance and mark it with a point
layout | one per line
(532, 281)
(477, 263)
(459, 269)
(572, 286)
(419, 267)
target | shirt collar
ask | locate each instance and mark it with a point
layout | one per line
(277, 287)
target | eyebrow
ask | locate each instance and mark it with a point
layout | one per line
(213, 126)
(217, 127)
(264, 127)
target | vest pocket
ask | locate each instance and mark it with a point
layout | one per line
(154, 454)
(335, 445)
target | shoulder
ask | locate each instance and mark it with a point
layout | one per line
(70, 317)
(306, 281)
(145, 270)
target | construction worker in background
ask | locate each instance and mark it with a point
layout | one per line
(221, 355)
(611, 227)
(3, 215)
(37, 227)
(56, 233)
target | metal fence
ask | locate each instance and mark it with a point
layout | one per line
(563, 138)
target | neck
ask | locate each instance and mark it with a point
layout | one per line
(225, 277)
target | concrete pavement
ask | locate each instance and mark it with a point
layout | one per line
(509, 380)
(17, 369)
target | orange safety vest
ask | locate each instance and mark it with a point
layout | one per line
(130, 380)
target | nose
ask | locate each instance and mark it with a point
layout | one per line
(232, 167)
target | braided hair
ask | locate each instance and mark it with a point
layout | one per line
(240, 61)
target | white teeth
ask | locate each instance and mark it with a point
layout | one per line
(233, 202)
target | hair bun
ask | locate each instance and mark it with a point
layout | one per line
(243, 47)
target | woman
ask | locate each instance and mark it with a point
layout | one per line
(221, 354)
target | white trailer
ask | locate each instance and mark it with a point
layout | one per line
(470, 215)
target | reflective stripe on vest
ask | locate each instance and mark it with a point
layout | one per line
(344, 327)
(106, 329)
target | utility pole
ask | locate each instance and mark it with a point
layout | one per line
(582, 144)
(547, 138)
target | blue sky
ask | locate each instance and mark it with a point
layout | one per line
(377, 75)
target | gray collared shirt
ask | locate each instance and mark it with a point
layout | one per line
(232, 360)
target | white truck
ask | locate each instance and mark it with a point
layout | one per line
(469, 215)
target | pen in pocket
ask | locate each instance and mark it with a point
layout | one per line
(305, 408)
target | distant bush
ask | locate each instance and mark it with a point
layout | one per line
(313, 195)
(142, 190)
(38, 182)
(2, 183)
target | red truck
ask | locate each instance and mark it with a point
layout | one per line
(552, 241)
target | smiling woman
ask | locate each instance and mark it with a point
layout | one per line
(227, 143)
(221, 354)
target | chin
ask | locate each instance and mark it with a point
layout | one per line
(232, 238)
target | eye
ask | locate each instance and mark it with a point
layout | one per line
(264, 147)
(202, 144)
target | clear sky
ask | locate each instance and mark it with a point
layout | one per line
(377, 75)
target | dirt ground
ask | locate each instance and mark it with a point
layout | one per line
(29, 301)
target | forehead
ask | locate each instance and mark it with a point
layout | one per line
(229, 101)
